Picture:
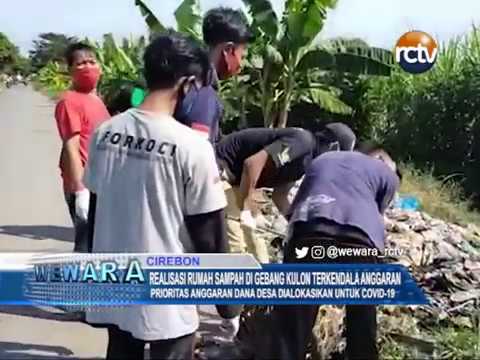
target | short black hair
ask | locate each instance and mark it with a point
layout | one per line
(369, 147)
(171, 56)
(225, 25)
(73, 48)
(119, 100)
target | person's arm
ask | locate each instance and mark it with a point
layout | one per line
(293, 146)
(280, 197)
(90, 182)
(68, 120)
(204, 216)
(252, 169)
(207, 232)
(72, 162)
(91, 220)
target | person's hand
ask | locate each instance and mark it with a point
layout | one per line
(230, 327)
(247, 219)
(82, 202)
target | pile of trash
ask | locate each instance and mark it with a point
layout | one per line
(444, 258)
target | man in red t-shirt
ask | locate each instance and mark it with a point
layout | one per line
(78, 113)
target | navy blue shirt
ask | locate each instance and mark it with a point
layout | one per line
(347, 188)
(202, 110)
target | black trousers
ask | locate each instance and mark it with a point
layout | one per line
(291, 325)
(123, 346)
(80, 226)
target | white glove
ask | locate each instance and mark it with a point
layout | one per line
(82, 202)
(230, 327)
(247, 219)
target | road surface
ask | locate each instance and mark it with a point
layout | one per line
(34, 218)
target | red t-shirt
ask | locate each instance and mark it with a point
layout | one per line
(78, 113)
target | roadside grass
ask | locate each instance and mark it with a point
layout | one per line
(458, 344)
(444, 200)
(451, 343)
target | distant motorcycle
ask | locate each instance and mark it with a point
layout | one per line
(12, 82)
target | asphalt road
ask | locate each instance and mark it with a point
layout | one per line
(33, 215)
(34, 218)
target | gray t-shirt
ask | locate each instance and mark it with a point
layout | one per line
(346, 188)
(149, 172)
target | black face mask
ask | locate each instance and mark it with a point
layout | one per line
(185, 101)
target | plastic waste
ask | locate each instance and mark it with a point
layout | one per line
(407, 203)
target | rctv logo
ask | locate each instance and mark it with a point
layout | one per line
(416, 52)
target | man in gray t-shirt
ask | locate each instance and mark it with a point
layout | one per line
(156, 189)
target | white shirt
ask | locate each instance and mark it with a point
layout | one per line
(149, 172)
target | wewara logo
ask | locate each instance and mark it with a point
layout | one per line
(416, 52)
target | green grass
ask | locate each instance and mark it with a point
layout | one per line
(457, 344)
(451, 343)
(442, 200)
(392, 350)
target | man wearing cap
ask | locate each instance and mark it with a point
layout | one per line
(268, 158)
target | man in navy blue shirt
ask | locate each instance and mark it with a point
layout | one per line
(226, 33)
(340, 203)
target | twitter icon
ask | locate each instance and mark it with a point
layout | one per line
(302, 252)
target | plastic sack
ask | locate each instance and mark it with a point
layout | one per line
(407, 203)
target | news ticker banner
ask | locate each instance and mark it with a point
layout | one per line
(95, 280)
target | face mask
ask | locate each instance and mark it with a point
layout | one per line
(86, 79)
(334, 146)
(229, 65)
(185, 102)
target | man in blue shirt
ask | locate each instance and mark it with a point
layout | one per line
(340, 203)
(226, 33)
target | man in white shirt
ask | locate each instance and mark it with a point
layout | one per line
(156, 189)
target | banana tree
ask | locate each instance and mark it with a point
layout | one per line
(290, 66)
(285, 64)
(53, 77)
(187, 16)
(121, 64)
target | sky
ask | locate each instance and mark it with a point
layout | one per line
(379, 22)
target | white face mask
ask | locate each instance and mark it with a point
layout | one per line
(334, 146)
(352, 146)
